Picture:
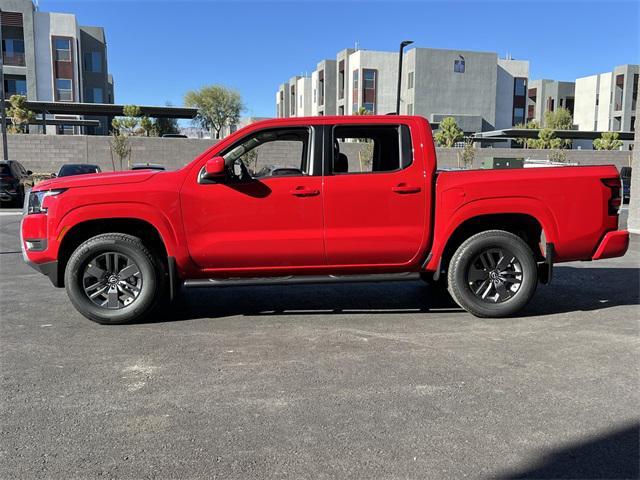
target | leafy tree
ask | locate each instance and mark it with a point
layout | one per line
(217, 107)
(362, 111)
(559, 119)
(148, 127)
(608, 141)
(546, 139)
(467, 154)
(525, 142)
(449, 133)
(127, 124)
(121, 147)
(20, 115)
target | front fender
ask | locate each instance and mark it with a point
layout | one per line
(124, 210)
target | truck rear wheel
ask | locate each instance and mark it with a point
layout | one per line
(113, 278)
(493, 274)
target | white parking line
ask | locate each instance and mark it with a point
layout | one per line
(11, 214)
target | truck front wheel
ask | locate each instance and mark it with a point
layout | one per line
(493, 274)
(113, 278)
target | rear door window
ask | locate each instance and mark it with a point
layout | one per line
(370, 149)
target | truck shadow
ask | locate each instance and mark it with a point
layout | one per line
(610, 455)
(573, 289)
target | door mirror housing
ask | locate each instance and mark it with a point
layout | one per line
(214, 169)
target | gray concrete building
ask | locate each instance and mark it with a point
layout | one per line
(50, 57)
(323, 85)
(547, 96)
(480, 90)
(607, 101)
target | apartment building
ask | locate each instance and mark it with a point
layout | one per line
(547, 96)
(50, 57)
(323, 85)
(480, 90)
(607, 101)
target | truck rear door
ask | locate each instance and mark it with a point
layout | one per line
(375, 195)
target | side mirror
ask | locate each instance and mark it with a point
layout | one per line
(29, 172)
(214, 168)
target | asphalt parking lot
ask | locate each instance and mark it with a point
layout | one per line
(331, 381)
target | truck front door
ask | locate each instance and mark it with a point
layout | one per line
(267, 212)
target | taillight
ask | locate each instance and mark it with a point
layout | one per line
(615, 200)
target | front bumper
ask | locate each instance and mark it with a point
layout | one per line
(614, 244)
(35, 226)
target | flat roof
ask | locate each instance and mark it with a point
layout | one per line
(533, 133)
(107, 109)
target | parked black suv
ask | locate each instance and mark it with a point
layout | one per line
(14, 181)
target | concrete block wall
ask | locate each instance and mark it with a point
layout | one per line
(46, 153)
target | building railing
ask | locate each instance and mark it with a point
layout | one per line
(13, 59)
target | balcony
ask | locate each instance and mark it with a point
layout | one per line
(14, 59)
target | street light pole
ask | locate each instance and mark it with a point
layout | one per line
(402, 45)
(3, 114)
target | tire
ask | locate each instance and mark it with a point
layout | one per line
(493, 274)
(135, 281)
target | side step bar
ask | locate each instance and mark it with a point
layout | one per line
(298, 279)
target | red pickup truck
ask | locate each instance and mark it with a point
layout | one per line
(311, 200)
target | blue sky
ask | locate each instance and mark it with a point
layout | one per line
(160, 49)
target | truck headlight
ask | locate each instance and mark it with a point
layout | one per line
(36, 199)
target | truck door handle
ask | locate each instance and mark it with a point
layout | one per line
(304, 192)
(404, 188)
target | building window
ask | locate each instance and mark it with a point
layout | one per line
(63, 49)
(634, 95)
(410, 109)
(551, 104)
(619, 90)
(15, 85)
(410, 79)
(13, 51)
(356, 91)
(341, 110)
(64, 93)
(93, 62)
(293, 100)
(533, 94)
(597, 99)
(518, 115)
(97, 95)
(520, 87)
(341, 79)
(458, 64)
(321, 87)
(369, 86)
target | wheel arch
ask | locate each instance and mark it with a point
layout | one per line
(80, 232)
(535, 228)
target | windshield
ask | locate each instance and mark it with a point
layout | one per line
(4, 169)
(68, 170)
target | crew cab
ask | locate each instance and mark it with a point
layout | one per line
(322, 199)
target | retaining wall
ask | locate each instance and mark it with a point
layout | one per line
(46, 153)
